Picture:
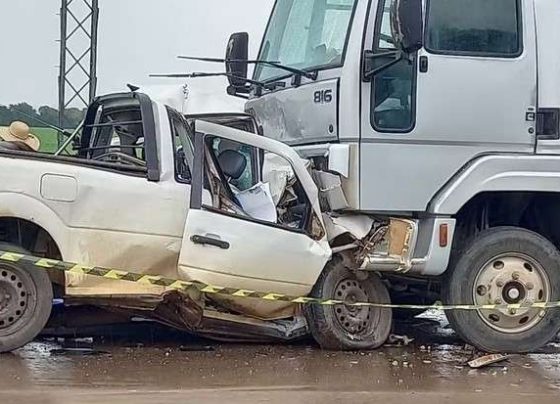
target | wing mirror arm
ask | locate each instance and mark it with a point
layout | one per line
(375, 63)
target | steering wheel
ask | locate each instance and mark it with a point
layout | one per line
(120, 157)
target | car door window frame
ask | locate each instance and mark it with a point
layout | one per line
(200, 183)
(241, 121)
(253, 164)
(176, 118)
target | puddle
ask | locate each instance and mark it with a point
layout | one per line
(434, 361)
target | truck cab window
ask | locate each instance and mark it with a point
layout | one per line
(306, 34)
(393, 89)
(474, 27)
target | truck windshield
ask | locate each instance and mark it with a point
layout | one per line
(305, 34)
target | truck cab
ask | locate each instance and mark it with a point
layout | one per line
(483, 81)
(446, 113)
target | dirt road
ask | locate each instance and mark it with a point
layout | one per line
(177, 372)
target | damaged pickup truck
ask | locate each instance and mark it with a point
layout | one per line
(191, 198)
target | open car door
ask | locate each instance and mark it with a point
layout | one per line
(246, 233)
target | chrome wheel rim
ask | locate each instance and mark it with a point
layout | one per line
(511, 278)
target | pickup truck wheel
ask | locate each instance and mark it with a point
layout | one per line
(505, 266)
(25, 303)
(343, 327)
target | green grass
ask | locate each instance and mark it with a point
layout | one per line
(48, 138)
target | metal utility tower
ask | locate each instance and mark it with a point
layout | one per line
(77, 80)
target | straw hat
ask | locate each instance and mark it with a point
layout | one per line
(20, 132)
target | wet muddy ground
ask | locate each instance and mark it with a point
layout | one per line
(153, 368)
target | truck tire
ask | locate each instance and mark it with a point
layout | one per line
(26, 297)
(505, 265)
(343, 327)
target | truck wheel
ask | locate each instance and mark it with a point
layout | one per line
(345, 327)
(25, 303)
(505, 266)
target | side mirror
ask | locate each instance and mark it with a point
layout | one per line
(238, 50)
(407, 24)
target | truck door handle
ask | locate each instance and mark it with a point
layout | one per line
(424, 64)
(203, 240)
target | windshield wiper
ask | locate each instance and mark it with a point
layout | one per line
(260, 84)
(310, 75)
(203, 74)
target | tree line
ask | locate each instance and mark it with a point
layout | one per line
(33, 117)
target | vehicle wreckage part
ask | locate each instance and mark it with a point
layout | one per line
(331, 195)
(395, 252)
(26, 297)
(510, 266)
(236, 328)
(358, 226)
(349, 327)
(383, 246)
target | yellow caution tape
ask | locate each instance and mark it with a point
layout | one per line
(175, 284)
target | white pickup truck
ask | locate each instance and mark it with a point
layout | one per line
(200, 198)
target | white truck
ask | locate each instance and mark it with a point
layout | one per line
(442, 112)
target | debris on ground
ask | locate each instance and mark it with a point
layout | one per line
(76, 343)
(197, 348)
(77, 352)
(399, 340)
(487, 360)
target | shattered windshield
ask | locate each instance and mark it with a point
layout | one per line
(305, 34)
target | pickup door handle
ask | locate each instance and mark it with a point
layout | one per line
(203, 240)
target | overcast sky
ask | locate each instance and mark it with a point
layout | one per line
(136, 38)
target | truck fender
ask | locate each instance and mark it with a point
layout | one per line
(497, 173)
